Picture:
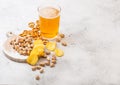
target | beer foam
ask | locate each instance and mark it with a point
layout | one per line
(49, 12)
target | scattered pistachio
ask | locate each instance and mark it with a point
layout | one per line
(62, 35)
(34, 68)
(42, 64)
(52, 64)
(53, 61)
(41, 70)
(37, 77)
(64, 43)
(53, 57)
(38, 67)
(58, 39)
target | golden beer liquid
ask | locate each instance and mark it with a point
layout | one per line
(49, 22)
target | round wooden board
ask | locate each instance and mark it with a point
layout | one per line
(10, 53)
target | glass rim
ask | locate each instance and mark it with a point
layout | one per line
(54, 6)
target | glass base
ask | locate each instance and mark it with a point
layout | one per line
(50, 38)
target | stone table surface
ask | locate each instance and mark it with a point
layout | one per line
(92, 29)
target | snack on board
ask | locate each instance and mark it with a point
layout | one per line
(23, 45)
(30, 43)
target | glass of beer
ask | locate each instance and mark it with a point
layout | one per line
(49, 19)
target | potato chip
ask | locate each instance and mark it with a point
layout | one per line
(51, 46)
(59, 52)
(36, 42)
